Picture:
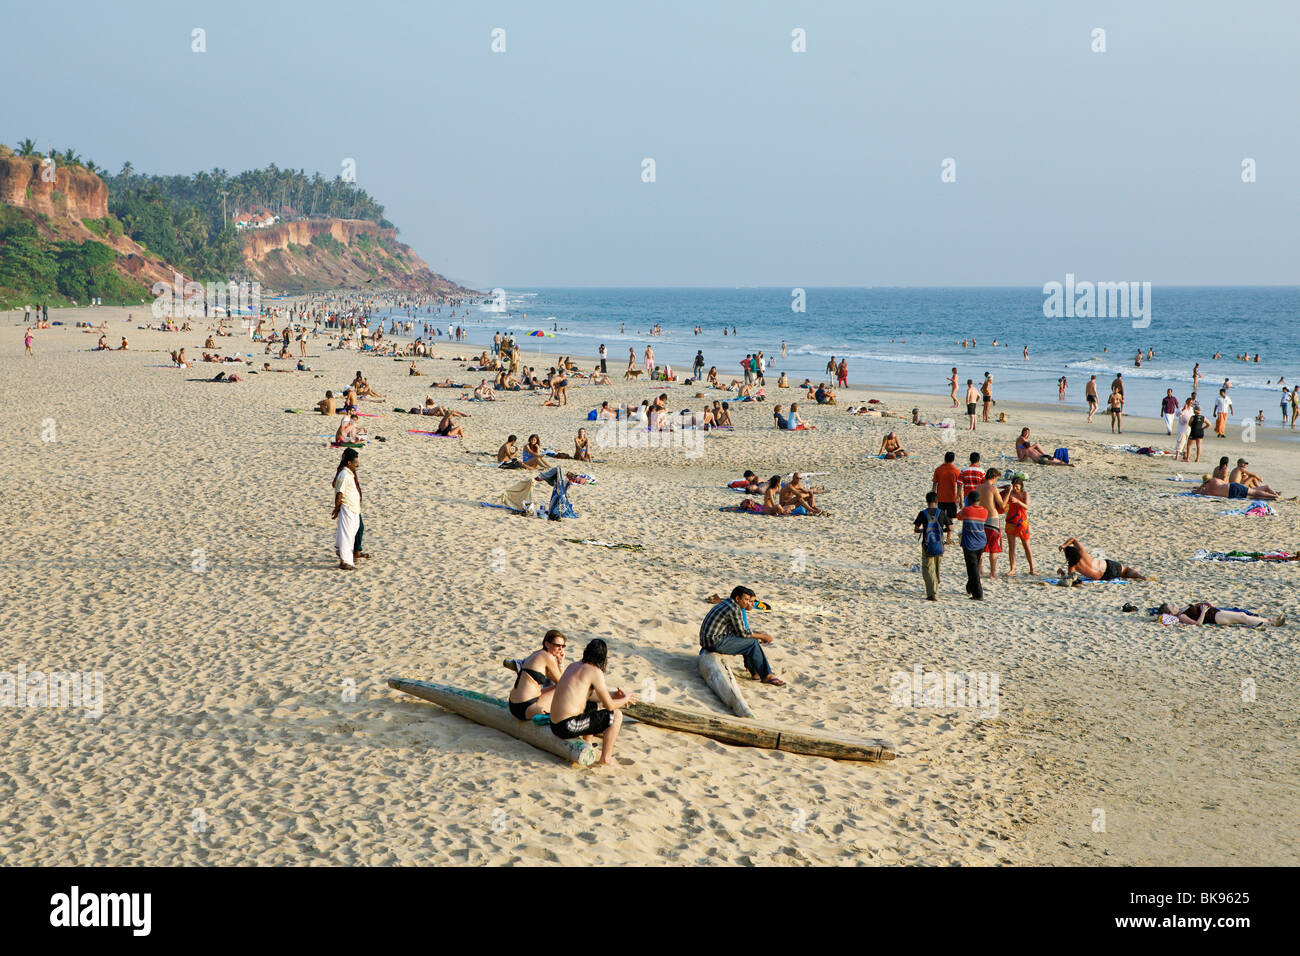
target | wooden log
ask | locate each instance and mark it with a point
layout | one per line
(756, 733)
(716, 673)
(495, 713)
(762, 733)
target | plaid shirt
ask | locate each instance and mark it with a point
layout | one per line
(723, 619)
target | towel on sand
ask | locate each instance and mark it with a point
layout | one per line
(1259, 509)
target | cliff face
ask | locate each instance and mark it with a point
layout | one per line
(83, 194)
(80, 195)
(338, 253)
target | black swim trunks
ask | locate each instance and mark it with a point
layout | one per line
(1236, 490)
(949, 508)
(970, 408)
(519, 709)
(1113, 570)
(590, 721)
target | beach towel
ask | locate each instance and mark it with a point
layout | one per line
(1203, 555)
(748, 505)
(1081, 580)
(559, 505)
(1259, 509)
(1062, 454)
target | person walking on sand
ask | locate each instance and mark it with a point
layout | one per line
(347, 511)
(953, 382)
(1169, 410)
(582, 705)
(725, 630)
(987, 391)
(1090, 394)
(946, 485)
(972, 402)
(649, 360)
(932, 524)
(842, 373)
(1222, 409)
(27, 344)
(972, 543)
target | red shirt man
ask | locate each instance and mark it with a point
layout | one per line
(972, 477)
(947, 485)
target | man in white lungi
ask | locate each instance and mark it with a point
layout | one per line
(347, 509)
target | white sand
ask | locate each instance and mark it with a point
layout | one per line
(226, 705)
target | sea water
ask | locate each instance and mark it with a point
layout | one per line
(909, 338)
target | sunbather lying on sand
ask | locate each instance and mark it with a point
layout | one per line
(1218, 488)
(1204, 613)
(1035, 452)
(1079, 561)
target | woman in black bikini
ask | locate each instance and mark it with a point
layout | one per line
(534, 688)
(1204, 613)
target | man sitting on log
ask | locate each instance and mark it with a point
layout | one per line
(574, 710)
(725, 630)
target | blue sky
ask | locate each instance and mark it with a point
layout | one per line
(773, 168)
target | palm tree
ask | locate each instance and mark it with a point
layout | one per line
(27, 147)
(70, 158)
(127, 169)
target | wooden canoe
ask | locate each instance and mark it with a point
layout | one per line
(494, 712)
(756, 733)
(716, 673)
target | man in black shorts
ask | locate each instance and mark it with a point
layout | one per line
(1079, 561)
(986, 390)
(583, 707)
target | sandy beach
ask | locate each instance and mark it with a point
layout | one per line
(175, 535)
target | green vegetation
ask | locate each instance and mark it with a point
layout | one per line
(289, 193)
(328, 242)
(108, 226)
(36, 269)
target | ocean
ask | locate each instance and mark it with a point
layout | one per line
(909, 338)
